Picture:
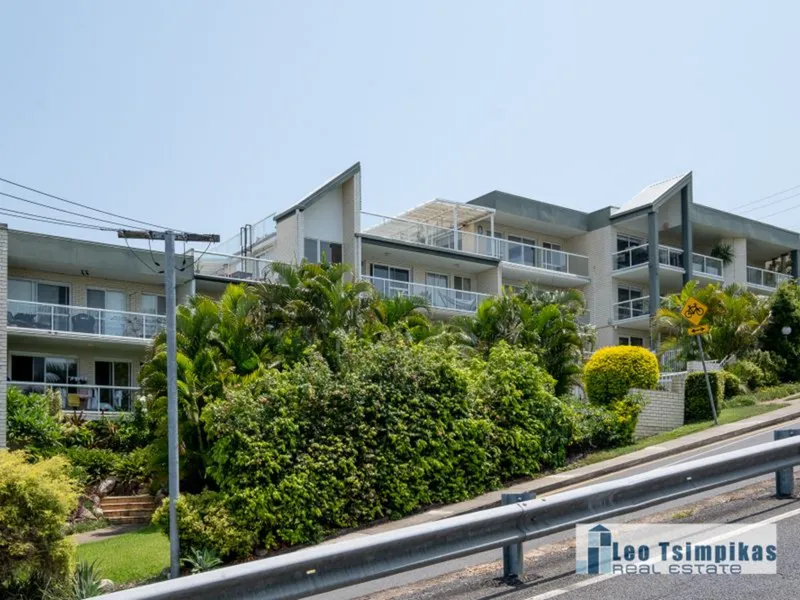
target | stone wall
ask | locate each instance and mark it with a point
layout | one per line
(663, 411)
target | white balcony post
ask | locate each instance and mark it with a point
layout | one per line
(52, 318)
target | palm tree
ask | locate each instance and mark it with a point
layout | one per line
(734, 314)
(407, 314)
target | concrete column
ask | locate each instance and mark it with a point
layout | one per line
(300, 245)
(3, 330)
(795, 254)
(489, 281)
(736, 270)
(686, 230)
(652, 251)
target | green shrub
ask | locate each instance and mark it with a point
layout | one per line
(765, 395)
(205, 522)
(772, 366)
(31, 426)
(749, 373)
(733, 385)
(92, 465)
(697, 406)
(532, 427)
(600, 427)
(134, 468)
(614, 370)
(36, 500)
(784, 312)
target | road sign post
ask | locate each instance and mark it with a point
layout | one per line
(694, 311)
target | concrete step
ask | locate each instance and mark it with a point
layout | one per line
(127, 512)
(129, 520)
(109, 500)
(139, 505)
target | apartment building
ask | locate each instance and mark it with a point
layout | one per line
(79, 316)
(455, 254)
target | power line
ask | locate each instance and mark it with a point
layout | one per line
(139, 258)
(52, 220)
(63, 210)
(86, 206)
(765, 197)
(778, 201)
(780, 211)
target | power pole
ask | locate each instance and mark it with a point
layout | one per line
(169, 238)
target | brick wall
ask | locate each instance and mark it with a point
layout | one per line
(663, 411)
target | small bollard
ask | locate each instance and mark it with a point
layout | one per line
(513, 560)
(784, 478)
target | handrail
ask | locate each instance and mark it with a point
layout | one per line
(76, 307)
(334, 566)
(437, 297)
(762, 276)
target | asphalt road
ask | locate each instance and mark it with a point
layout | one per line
(551, 568)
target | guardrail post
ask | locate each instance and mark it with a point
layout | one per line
(513, 559)
(784, 478)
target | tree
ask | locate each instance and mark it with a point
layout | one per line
(734, 314)
(784, 313)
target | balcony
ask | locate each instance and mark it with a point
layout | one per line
(46, 319)
(542, 265)
(92, 400)
(436, 297)
(633, 264)
(707, 267)
(425, 234)
(233, 267)
(762, 280)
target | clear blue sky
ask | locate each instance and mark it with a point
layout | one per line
(209, 115)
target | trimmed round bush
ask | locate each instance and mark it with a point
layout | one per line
(613, 371)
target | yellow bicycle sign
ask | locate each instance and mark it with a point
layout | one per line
(694, 311)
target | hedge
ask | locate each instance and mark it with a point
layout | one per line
(697, 406)
(613, 371)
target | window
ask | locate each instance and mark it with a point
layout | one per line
(553, 259)
(315, 250)
(111, 319)
(51, 370)
(462, 283)
(630, 341)
(390, 281)
(434, 295)
(630, 303)
(38, 305)
(635, 256)
(115, 378)
(154, 304)
(464, 301)
(521, 250)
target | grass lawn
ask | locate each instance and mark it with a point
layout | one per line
(729, 415)
(134, 556)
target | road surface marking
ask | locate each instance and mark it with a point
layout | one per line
(601, 578)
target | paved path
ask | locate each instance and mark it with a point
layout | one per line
(98, 535)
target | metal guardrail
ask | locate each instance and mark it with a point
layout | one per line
(334, 566)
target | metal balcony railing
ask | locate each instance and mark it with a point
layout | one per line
(233, 267)
(84, 396)
(639, 255)
(708, 265)
(81, 319)
(466, 241)
(416, 232)
(542, 258)
(436, 297)
(630, 309)
(766, 279)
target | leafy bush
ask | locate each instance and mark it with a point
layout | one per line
(600, 427)
(771, 365)
(31, 425)
(784, 312)
(134, 468)
(614, 370)
(205, 522)
(733, 385)
(749, 373)
(765, 395)
(532, 427)
(92, 465)
(697, 406)
(36, 500)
